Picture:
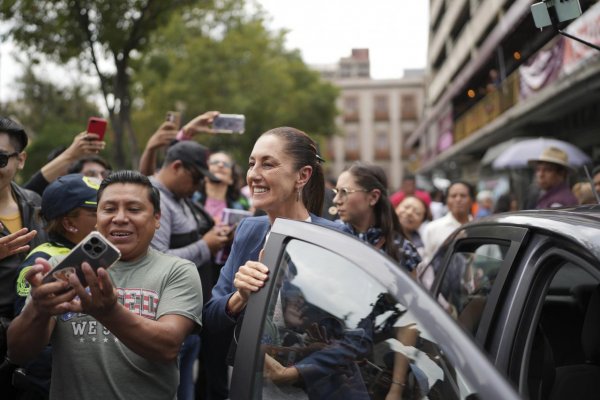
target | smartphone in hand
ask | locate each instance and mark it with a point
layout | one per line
(94, 249)
(229, 123)
(174, 117)
(98, 126)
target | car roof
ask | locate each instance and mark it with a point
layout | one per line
(580, 224)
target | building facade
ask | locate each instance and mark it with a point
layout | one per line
(493, 76)
(376, 117)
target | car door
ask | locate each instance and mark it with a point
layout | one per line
(338, 319)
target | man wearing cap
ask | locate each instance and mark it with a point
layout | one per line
(551, 172)
(69, 208)
(19, 208)
(186, 230)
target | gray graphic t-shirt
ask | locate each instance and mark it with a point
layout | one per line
(89, 362)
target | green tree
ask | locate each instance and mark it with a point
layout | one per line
(51, 115)
(228, 61)
(95, 33)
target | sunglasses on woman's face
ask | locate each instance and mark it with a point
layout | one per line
(4, 157)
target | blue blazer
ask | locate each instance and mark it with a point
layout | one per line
(249, 239)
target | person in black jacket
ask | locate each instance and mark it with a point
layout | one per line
(19, 215)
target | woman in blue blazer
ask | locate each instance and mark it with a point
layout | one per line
(286, 180)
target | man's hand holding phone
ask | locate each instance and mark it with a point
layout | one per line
(101, 298)
(51, 298)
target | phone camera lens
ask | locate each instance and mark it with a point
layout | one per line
(87, 247)
(94, 240)
(97, 249)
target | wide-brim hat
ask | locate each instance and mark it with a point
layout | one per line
(553, 155)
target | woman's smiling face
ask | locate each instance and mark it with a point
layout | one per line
(271, 176)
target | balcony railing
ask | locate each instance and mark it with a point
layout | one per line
(490, 107)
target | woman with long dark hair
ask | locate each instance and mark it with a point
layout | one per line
(216, 196)
(363, 205)
(286, 180)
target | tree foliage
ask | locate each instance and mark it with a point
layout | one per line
(95, 32)
(52, 116)
(227, 60)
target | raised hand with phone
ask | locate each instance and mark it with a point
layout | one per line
(201, 123)
(168, 132)
(85, 144)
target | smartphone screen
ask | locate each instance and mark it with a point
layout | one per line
(98, 126)
(229, 123)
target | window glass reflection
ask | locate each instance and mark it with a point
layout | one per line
(333, 332)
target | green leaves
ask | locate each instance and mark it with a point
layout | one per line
(225, 59)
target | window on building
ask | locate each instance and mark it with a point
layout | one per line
(350, 109)
(409, 107)
(381, 108)
(352, 146)
(382, 145)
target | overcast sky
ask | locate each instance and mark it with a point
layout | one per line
(395, 31)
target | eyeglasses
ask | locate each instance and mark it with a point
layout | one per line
(344, 192)
(94, 173)
(4, 157)
(225, 164)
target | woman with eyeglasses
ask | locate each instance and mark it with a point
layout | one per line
(216, 196)
(363, 205)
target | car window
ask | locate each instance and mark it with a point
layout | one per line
(564, 341)
(468, 281)
(333, 331)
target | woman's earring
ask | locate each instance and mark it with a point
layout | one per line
(298, 195)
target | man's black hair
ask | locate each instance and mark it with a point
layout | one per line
(134, 177)
(470, 188)
(595, 170)
(16, 133)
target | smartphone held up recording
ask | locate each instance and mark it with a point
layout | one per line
(229, 123)
(94, 249)
(98, 126)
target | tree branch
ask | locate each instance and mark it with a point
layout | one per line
(84, 23)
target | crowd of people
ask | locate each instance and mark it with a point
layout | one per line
(170, 301)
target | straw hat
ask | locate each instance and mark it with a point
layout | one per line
(552, 155)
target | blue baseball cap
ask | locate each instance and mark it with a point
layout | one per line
(69, 192)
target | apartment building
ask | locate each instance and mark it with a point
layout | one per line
(376, 117)
(492, 76)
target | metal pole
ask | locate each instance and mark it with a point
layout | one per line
(578, 39)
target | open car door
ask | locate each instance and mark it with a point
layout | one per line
(338, 319)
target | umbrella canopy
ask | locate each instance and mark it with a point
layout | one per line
(493, 152)
(518, 154)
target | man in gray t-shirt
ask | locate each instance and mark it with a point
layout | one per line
(118, 338)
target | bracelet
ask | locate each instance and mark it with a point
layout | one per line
(398, 383)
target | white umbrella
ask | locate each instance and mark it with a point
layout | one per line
(518, 154)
